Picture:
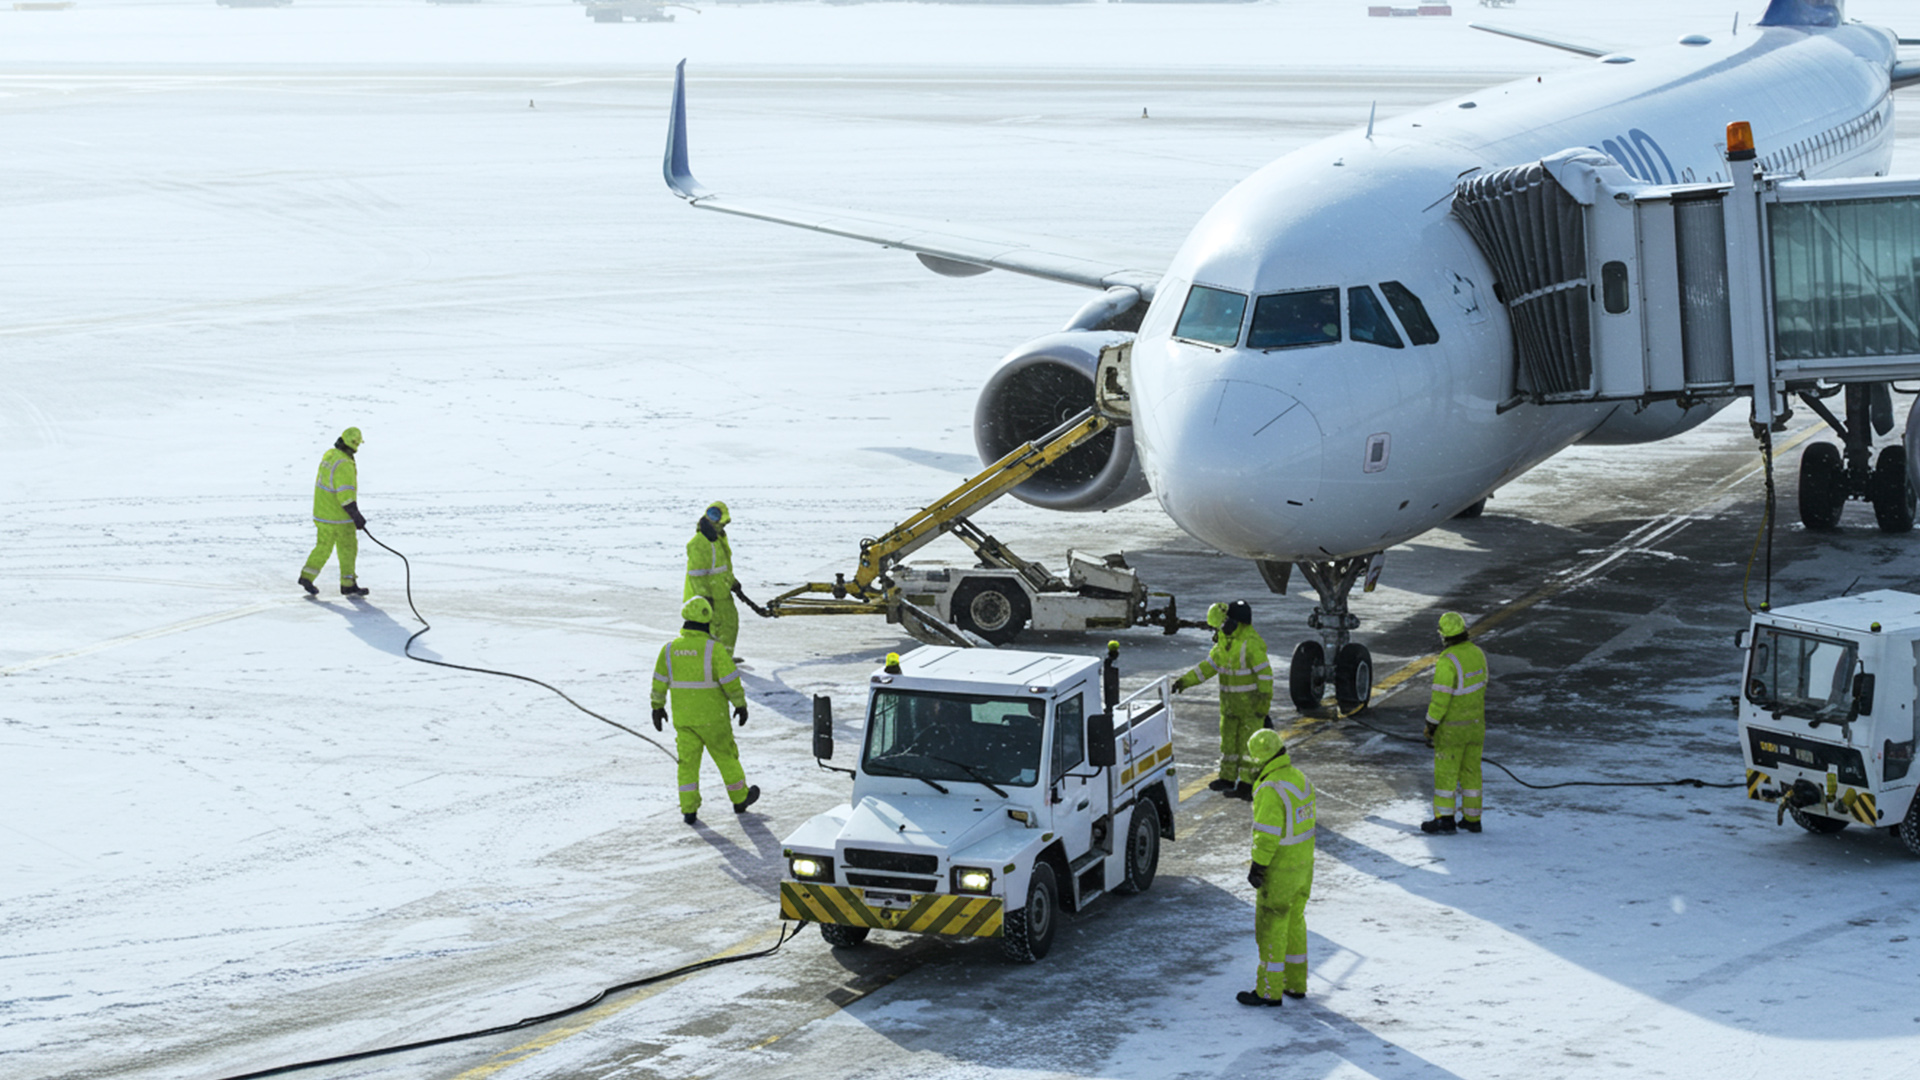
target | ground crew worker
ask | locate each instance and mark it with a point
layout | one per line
(710, 574)
(1282, 872)
(336, 514)
(1239, 657)
(1457, 727)
(704, 682)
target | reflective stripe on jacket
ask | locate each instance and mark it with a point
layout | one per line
(1246, 677)
(1459, 699)
(334, 487)
(1284, 813)
(709, 567)
(701, 678)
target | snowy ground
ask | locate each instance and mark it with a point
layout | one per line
(240, 829)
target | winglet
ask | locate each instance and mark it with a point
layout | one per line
(674, 165)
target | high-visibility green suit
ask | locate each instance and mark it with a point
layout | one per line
(335, 486)
(1246, 695)
(1283, 824)
(701, 679)
(1457, 717)
(710, 574)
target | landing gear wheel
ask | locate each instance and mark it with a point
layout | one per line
(1027, 935)
(1892, 495)
(994, 608)
(1473, 511)
(843, 937)
(1143, 847)
(1823, 486)
(1814, 823)
(1353, 677)
(1909, 828)
(1307, 676)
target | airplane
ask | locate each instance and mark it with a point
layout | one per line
(1327, 366)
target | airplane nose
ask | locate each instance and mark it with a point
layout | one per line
(1234, 462)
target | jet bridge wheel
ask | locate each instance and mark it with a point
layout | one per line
(1823, 486)
(1892, 496)
(1353, 677)
(994, 608)
(1027, 935)
(1307, 675)
(1814, 823)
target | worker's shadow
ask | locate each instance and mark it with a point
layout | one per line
(758, 863)
(377, 628)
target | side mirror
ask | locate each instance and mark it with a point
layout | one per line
(823, 727)
(1740, 638)
(1100, 753)
(1863, 694)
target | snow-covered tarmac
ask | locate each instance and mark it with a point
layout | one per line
(238, 828)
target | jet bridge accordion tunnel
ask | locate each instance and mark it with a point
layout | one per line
(1619, 290)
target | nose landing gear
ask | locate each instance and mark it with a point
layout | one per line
(1351, 669)
(1829, 476)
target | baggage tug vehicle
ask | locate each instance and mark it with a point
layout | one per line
(995, 790)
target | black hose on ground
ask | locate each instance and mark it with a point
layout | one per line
(1683, 782)
(426, 626)
(531, 1021)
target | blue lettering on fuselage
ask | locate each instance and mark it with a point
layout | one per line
(1641, 156)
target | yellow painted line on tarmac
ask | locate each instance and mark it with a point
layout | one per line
(555, 1036)
(144, 635)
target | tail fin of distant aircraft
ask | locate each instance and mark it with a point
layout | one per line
(1811, 13)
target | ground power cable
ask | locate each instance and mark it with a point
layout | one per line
(786, 935)
(426, 626)
(1683, 782)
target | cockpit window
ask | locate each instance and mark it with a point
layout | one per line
(1413, 314)
(1289, 320)
(1212, 316)
(1367, 320)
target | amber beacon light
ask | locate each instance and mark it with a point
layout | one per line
(1740, 141)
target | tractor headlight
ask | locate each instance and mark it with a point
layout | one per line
(811, 868)
(971, 879)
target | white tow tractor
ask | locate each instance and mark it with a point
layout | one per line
(1826, 717)
(994, 790)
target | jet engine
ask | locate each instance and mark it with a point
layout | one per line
(1039, 386)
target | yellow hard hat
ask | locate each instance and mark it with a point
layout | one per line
(1264, 744)
(723, 516)
(1452, 625)
(1217, 616)
(697, 609)
(352, 437)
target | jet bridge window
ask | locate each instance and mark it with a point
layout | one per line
(1800, 675)
(1413, 314)
(1367, 320)
(1211, 316)
(1292, 319)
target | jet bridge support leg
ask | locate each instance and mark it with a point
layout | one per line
(1351, 666)
(1830, 477)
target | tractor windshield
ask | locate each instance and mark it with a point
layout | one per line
(962, 737)
(1799, 674)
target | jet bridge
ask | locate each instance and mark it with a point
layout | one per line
(1767, 286)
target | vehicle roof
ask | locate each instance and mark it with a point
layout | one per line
(942, 667)
(1896, 612)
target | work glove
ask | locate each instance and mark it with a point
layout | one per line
(1267, 722)
(353, 511)
(1256, 875)
(659, 719)
(1179, 687)
(1431, 728)
(740, 714)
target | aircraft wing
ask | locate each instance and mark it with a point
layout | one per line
(944, 248)
(1551, 43)
(1906, 73)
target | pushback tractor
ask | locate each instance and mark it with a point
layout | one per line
(1827, 714)
(995, 790)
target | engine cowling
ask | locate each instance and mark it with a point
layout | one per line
(1039, 386)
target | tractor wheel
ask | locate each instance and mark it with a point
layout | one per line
(1823, 486)
(1027, 935)
(1909, 828)
(1307, 675)
(994, 608)
(1143, 847)
(1814, 823)
(843, 937)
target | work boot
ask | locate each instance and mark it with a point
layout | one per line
(690, 817)
(1471, 824)
(308, 585)
(353, 590)
(753, 796)
(1220, 783)
(1252, 997)
(1297, 995)
(1444, 826)
(1243, 791)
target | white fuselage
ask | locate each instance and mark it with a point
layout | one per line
(1324, 451)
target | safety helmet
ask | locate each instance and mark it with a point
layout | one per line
(352, 437)
(1452, 625)
(1264, 744)
(1217, 616)
(698, 609)
(1241, 612)
(717, 513)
